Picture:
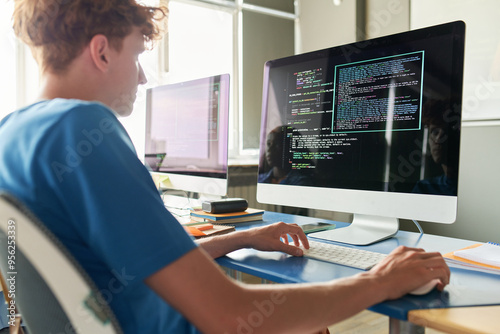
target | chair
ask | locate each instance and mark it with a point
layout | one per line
(52, 292)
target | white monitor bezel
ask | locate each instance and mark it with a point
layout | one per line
(439, 208)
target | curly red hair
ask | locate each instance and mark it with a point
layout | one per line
(57, 31)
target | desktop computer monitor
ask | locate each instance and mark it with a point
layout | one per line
(370, 128)
(187, 135)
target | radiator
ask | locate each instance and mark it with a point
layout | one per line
(242, 183)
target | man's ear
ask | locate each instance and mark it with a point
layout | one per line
(100, 52)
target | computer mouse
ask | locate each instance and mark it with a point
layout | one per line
(426, 288)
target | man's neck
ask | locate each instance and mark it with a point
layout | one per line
(64, 86)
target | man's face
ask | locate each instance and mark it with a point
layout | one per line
(126, 73)
(437, 143)
(274, 148)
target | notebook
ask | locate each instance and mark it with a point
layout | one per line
(453, 260)
(486, 253)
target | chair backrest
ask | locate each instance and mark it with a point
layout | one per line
(50, 289)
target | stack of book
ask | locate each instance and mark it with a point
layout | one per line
(204, 224)
(227, 218)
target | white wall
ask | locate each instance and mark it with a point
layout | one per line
(322, 24)
(386, 17)
(479, 186)
(479, 183)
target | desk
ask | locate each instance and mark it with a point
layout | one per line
(466, 288)
(460, 320)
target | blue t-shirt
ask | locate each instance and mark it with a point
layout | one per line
(73, 164)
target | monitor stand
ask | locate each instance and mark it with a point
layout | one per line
(364, 230)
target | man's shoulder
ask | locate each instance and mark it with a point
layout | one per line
(57, 110)
(61, 121)
(68, 108)
(69, 116)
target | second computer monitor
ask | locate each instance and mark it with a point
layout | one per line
(187, 135)
(370, 128)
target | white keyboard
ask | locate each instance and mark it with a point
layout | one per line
(351, 257)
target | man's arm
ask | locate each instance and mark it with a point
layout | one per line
(196, 287)
(269, 238)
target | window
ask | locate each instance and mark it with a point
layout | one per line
(200, 41)
(206, 37)
(213, 37)
(199, 44)
(8, 46)
(20, 82)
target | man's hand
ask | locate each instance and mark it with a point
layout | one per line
(275, 238)
(406, 269)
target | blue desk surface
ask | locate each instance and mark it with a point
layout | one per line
(467, 288)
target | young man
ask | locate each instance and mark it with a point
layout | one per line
(69, 159)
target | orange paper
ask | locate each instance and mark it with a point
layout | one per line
(194, 231)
